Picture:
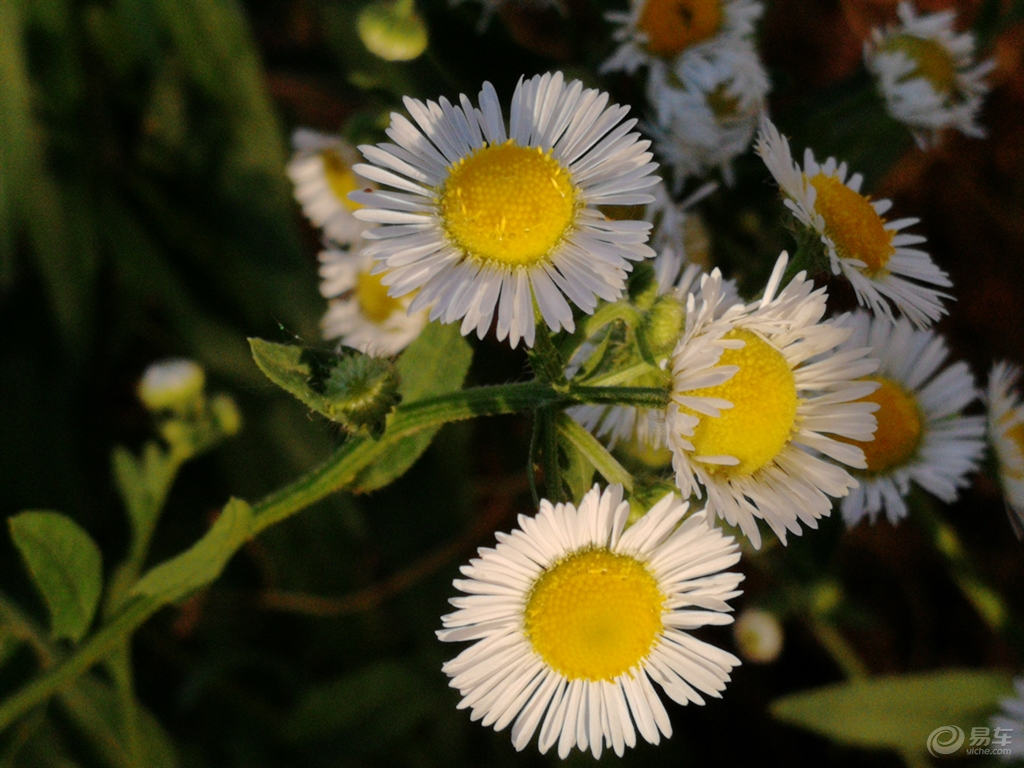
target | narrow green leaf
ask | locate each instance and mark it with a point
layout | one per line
(435, 364)
(897, 712)
(570, 432)
(66, 566)
(203, 562)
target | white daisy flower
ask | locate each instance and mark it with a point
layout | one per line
(922, 436)
(757, 396)
(491, 220)
(758, 635)
(869, 251)
(646, 427)
(321, 170)
(360, 314)
(927, 74)
(655, 31)
(573, 618)
(176, 383)
(1008, 725)
(1006, 434)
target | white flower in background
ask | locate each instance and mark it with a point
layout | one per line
(487, 221)
(573, 618)
(868, 250)
(360, 314)
(928, 75)
(758, 398)
(657, 31)
(1009, 724)
(707, 105)
(1006, 435)
(672, 230)
(176, 383)
(321, 171)
(922, 436)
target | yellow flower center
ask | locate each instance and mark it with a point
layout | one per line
(508, 204)
(933, 62)
(854, 226)
(594, 615)
(761, 421)
(340, 178)
(899, 428)
(672, 25)
(374, 302)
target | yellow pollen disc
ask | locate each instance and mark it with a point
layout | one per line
(374, 302)
(672, 25)
(594, 615)
(508, 204)
(761, 421)
(899, 427)
(340, 178)
(854, 226)
(933, 61)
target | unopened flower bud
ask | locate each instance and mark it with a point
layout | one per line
(758, 636)
(665, 325)
(392, 30)
(174, 384)
(226, 416)
(361, 391)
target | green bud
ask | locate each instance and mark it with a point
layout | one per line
(225, 415)
(392, 30)
(665, 325)
(361, 391)
(174, 384)
(646, 496)
(825, 597)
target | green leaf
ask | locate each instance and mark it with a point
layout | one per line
(203, 562)
(350, 388)
(897, 712)
(66, 566)
(435, 364)
(387, 699)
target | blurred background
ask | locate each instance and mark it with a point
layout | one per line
(145, 213)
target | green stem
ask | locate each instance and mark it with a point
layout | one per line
(629, 373)
(549, 450)
(842, 653)
(335, 474)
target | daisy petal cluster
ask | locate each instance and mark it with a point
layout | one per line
(1006, 435)
(927, 73)
(656, 32)
(360, 314)
(484, 219)
(759, 397)
(706, 106)
(869, 251)
(922, 436)
(321, 171)
(574, 617)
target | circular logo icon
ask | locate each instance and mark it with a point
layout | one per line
(945, 740)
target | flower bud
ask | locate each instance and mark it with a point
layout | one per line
(174, 384)
(361, 391)
(392, 30)
(758, 636)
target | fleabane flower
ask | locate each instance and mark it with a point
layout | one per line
(360, 314)
(653, 32)
(573, 617)
(321, 171)
(922, 436)
(664, 320)
(1006, 435)
(707, 105)
(868, 250)
(485, 219)
(759, 395)
(927, 74)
